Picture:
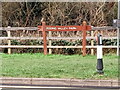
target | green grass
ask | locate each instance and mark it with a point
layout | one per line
(57, 66)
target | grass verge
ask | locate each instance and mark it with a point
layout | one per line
(57, 66)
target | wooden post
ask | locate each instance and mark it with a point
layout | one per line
(50, 42)
(1, 26)
(9, 41)
(92, 43)
(1, 50)
(44, 37)
(118, 31)
(84, 38)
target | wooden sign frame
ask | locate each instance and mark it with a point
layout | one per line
(84, 28)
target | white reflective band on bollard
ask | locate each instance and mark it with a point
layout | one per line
(99, 52)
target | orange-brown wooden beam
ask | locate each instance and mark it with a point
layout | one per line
(64, 28)
(84, 29)
(44, 37)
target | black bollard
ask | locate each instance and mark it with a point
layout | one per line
(99, 55)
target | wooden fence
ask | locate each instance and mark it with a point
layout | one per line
(9, 38)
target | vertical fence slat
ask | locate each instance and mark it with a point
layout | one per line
(9, 41)
(92, 43)
(50, 42)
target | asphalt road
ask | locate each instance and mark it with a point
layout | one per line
(47, 87)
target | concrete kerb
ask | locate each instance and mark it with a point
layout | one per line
(56, 81)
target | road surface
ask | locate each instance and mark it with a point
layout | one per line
(47, 87)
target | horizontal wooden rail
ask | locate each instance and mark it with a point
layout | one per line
(28, 46)
(18, 28)
(51, 38)
(104, 28)
(36, 28)
(59, 38)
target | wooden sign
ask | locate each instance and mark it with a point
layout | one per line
(84, 27)
(63, 28)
